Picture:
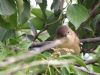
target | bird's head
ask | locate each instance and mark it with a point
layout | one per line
(62, 31)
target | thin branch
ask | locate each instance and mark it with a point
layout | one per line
(47, 25)
(31, 53)
(46, 62)
(37, 50)
(92, 13)
(94, 9)
(87, 40)
(35, 63)
(85, 70)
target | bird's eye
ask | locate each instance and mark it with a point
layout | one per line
(68, 32)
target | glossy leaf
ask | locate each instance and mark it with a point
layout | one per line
(80, 1)
(7, 7)
(89, 3)
(12, 20)
(64, 71)
(3, 23)
(38, 23)
(20, 6)
(77, 14)
(43, 6)
(9, 22)
(96, 19)
(52, 27)
(80, 61)
(38, 13)
(96, 68)
(55, 5)
(98, 53)
(6, 34)
(76, 71)
(26, 13)
(77, 59)
(44, 36)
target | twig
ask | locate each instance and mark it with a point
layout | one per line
(40, 62)
(94, 9)
(91, 13)
(87, 40)
(46, 62)
(47, 25)
(37, 50)
(85, 70)
(30, 54)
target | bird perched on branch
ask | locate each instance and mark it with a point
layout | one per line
(71, 41)
(67, 39)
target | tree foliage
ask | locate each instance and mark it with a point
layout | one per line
(18, 19)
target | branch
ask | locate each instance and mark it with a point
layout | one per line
(46, 62)
(47, 25)
(88, 40)
(35, 63)
(94, 9)
(31, 53)
(85, 70)
(93, 13)
(37, 50)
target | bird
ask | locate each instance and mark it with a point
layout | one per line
(71, 42)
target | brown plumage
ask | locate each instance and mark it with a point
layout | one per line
(71, 41)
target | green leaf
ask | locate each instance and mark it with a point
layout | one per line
(20, 6)
(7, 7)
(43, 6)
(77, 14)
(41, 13)
(73, 69)
(96, 19)
(49, 13)
(14, 41)
(96, 68)
(6, 34)
(25, 26)
(51, 71)
(9, 22)
(98, 54)
(77, 59)
(52, 27)
(55, 5)
(38, 13)
(76, 71)
(38, 23)
(13, 20)
(26, 13)
(44, 36)
(3, 23)
(45, 55)
(65, 71)
(89, 3)
(80, 61)
(80, 1)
